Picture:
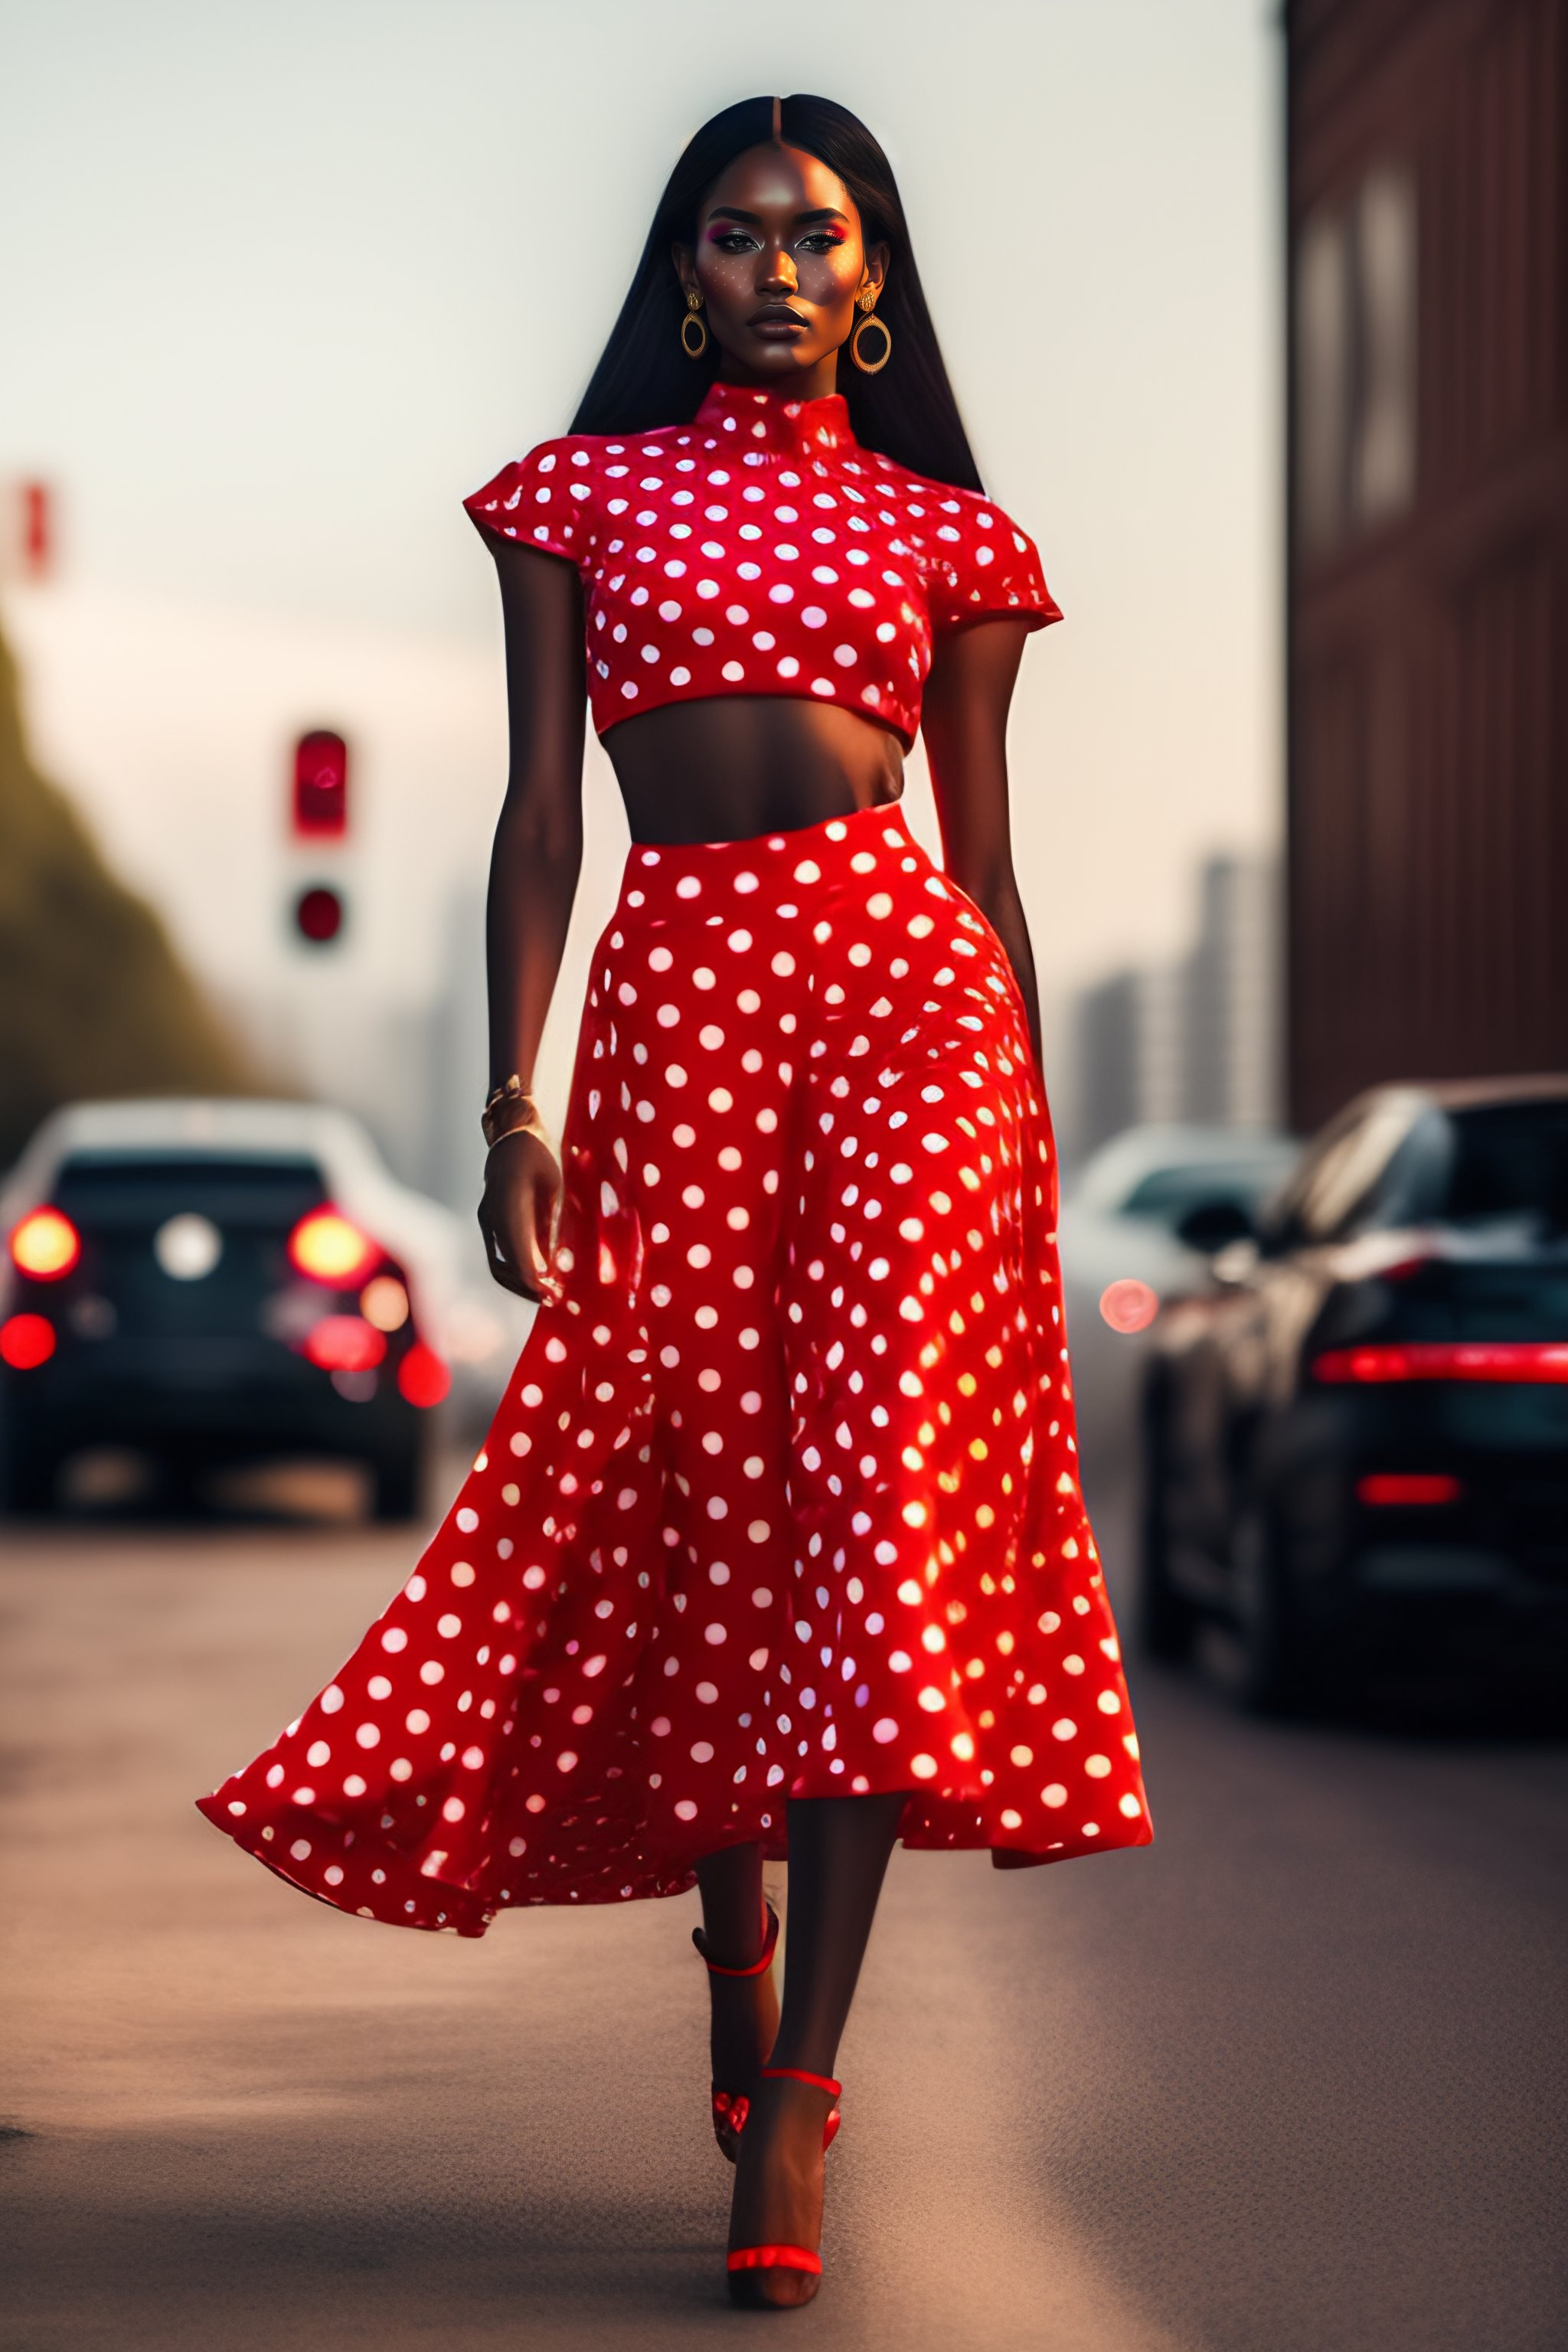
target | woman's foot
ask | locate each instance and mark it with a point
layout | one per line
(777, 2202)
(744, 2020)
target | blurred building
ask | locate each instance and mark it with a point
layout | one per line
(1230, 991)
(1428, 586)
(1125, 1057)
(1196, 1040)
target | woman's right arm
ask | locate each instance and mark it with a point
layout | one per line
(534, 866)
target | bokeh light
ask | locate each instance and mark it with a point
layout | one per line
(27, 1341)
(422, 1377)
(1129, 1306)
(45, 1245)
(345, 1343)
(383, 1302)
(328, 1248)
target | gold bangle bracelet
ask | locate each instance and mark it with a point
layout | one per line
(508, 1110)
(508, 1133)
(511, 1118)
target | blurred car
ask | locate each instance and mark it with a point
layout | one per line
(1150, 1206)
(1361, 1428)
(220, 1281)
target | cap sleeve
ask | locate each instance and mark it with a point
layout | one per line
(543, 501)
(986, 567)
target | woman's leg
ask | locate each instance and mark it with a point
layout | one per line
(743, 2012)
(838, 1850)
(731, 1885)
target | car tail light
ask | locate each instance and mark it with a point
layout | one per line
(1403, 1268)
(27, 1341)
(345, 1343)
(1394, 1489)
(328, 1248)
(1541, 1361)
(422, 1377)
(45, 1245)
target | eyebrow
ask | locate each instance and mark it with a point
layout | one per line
(737, 212)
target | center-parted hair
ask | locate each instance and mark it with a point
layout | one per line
(644, 378)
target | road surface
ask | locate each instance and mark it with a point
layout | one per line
(1291, 2079)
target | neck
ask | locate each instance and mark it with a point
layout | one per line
(810, 384)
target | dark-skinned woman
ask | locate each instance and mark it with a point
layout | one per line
(777, 1547)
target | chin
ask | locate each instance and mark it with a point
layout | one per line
(782, 360)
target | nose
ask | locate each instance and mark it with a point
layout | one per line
(776, 272)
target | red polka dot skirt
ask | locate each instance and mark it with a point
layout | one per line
(783, 1497)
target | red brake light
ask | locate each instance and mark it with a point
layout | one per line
(45, 1245)
(27, 1341)
(1539, 1361)
(1392, 1488)
(1404, 1267)
(327, 1247)
(345, 1343)
(422, 1377)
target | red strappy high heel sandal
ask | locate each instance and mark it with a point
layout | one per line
(731, 2108)
(747, 2266)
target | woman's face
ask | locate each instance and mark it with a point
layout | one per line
(778, 261)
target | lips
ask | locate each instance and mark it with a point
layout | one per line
(777, 321)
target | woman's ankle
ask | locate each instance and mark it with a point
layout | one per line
(796, 2062)
(735, 1962)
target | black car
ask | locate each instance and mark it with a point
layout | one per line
(1359, 1429)
(215, 1283)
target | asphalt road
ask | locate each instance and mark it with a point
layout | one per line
(1291, 2079)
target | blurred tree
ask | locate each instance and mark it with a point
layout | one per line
(93, 999)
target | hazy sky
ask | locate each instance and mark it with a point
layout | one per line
(281, 283)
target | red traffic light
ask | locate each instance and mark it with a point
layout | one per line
(319, 915)
(320, 787)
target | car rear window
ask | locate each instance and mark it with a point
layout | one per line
(1509, 1160)
(100, 1189)
(1167, 1193)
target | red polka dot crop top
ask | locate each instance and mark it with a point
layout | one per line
(760, 550)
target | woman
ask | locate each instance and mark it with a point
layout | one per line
(775, 1546)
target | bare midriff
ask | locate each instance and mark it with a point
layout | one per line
(725, 770)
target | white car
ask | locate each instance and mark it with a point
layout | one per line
(217, 1280)
(1149, 1207)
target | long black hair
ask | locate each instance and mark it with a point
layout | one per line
(645, 379)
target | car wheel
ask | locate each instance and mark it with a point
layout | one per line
(1278, 1661)
(1165, 1621)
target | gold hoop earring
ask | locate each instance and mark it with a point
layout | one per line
(693, 327)
(874, 364)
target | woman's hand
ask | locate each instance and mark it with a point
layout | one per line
(522, 1180)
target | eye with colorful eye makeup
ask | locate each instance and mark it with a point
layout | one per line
(729, 238)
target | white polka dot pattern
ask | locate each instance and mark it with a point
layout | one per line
(783, 1498)
(760, 550)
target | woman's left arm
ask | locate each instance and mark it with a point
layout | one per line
(964, 721)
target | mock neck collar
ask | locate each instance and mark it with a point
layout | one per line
(756, 419)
